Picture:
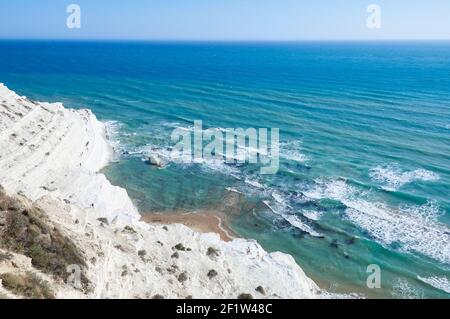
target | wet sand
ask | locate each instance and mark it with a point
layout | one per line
(200, 222)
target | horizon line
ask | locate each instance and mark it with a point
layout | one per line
(225, 40)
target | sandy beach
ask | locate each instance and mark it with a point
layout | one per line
(202, 222)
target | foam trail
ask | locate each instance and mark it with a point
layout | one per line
(234, 190)
(280, 199)
(312, 215)
(296, 222)
(293, 220)
(254, 183)
(112, 134)
(292, 151)
(169, 155)
(441, 283)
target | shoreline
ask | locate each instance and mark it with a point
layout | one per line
(202, 222)
(52, 156)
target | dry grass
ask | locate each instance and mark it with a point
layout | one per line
(27, 231)
(28, 286)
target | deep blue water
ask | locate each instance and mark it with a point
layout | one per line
(365, 143)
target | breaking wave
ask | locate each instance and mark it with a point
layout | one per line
(414, 229)
(441, 283)
(312, 214)
(112, 134)
(280, 206)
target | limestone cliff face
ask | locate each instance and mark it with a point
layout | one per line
(51, 156)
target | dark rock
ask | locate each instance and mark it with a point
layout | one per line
(261, 290)
(103, 220)
(212, 273)
(155, 160)
(334, 244)
(180, 247)
(212, 252)
(183, 277)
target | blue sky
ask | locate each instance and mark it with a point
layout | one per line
(225, 19)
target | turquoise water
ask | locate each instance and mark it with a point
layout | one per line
(365, 143)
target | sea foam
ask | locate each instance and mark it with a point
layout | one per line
(112, 134)
(441, 283)
(393, 177)
(415, 228)
(292, 151)
(280, 206)
(404, 290)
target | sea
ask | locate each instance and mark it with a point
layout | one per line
(361, 199)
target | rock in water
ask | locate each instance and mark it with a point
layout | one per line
(155, 160)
